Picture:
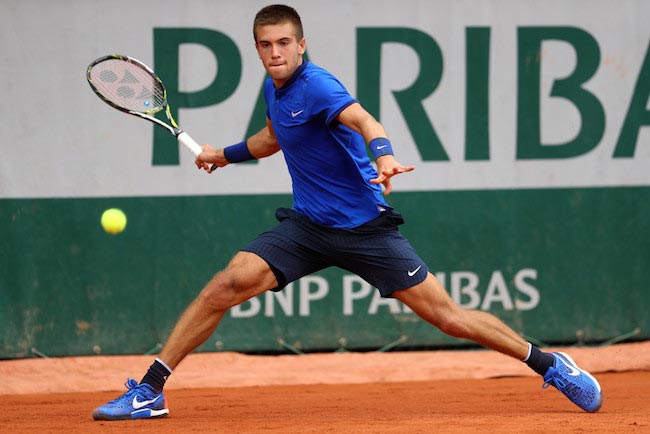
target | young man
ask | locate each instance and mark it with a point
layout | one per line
(339, 218)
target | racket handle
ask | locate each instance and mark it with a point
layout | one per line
(185, 140)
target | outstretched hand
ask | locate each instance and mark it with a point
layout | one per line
(387, 167)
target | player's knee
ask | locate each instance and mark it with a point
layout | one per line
(220, 294)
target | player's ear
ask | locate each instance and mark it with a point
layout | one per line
(302, 46)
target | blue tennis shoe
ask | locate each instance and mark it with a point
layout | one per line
(576, 384)
(139, 402)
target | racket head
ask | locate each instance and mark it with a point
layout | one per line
(127, 84)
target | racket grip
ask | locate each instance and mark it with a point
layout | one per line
(185, 140)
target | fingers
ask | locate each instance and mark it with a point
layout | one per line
(200, 164)
(388, 187)
(384, 176)
(388, 173)
(399, 169)
(408, 168)
(208, 159)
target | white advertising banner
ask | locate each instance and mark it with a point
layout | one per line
(477, 95)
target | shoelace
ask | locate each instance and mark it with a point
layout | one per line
(567, 387)
(130, 384)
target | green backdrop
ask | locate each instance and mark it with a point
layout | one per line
(68, 288)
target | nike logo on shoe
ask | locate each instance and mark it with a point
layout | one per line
(574, 372)
(412, 273)
(294, 114)
(569, 363)
(139, 404)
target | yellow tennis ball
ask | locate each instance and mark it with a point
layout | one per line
(113, 221)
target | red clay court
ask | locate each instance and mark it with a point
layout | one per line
(414, 392)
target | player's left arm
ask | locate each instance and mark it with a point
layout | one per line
(358, 119)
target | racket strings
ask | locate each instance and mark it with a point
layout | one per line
(128, 86)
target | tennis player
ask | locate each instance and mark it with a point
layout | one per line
(339, 218)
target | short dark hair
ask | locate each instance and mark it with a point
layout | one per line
(278, 14)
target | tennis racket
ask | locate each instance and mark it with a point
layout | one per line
(132, 87)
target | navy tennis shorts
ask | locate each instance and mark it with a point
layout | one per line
(375, 251)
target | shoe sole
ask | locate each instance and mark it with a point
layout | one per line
(148, 413)
(145, 413)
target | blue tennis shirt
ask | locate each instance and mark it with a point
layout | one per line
(329, 167)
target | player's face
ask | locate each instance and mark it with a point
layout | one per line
(280, 51)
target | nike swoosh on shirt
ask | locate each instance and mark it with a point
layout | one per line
(294, 114)
(412, 273)
(139, 404)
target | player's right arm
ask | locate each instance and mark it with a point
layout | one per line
(259, 145)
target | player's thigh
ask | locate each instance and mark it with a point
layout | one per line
(429, 300)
